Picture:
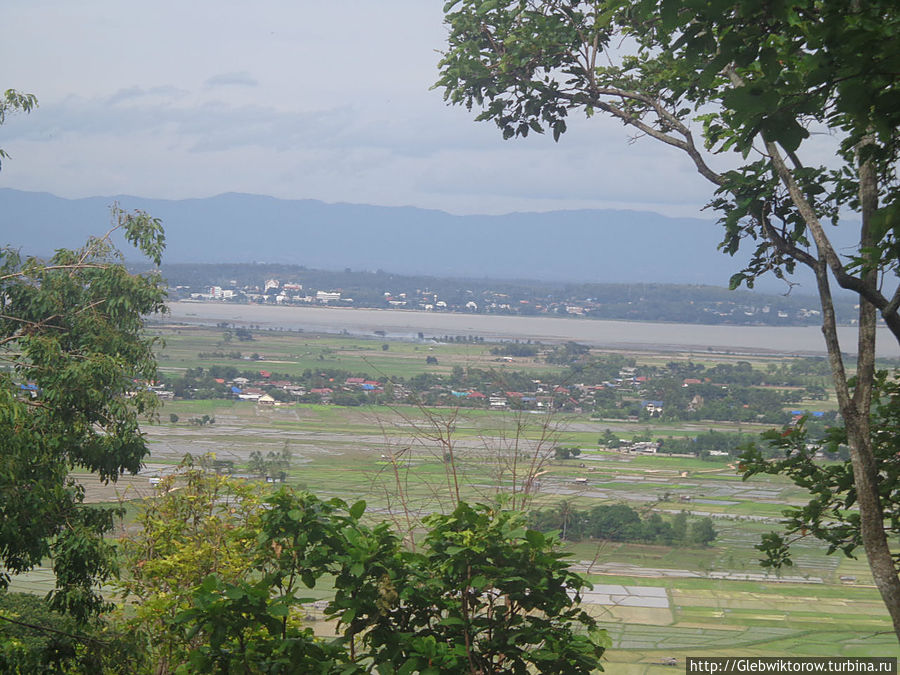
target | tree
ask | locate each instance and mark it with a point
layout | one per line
(830, 515)
(244, 334)
(35, 640)
(760, 80)
(609, 440)
(76, 368)
(680, 527)
(11, 102)
(257, 464)
(563, 452)
(483, 595)
(702, 532)
(198, 523)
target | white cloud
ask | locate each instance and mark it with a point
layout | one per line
(294, 99)
(243, 79)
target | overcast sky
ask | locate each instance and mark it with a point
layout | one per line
(295, 99)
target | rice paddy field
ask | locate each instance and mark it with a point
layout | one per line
(657, 602)
(292, 352)
(706, 601)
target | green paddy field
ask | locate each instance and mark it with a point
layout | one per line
(657, 602)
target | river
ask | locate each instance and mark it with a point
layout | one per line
(597, 333)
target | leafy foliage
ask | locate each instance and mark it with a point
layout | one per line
(35, 640)
(831, 514)
(564, 452)
(197, 524)
(273, 464)
(484, 594)
(620, 522)
(13, 101)
(749, 72)
(71, 394)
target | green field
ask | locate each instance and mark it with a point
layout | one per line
(292, 353)
(347, 452)
(395, 459)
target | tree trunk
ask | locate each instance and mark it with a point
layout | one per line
(856, 410)
(858, 421)
(874, 538)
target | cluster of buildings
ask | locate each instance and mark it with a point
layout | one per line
(266, 391)
(272, 291)
(291, 284)
(492, 301)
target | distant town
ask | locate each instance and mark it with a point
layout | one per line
(296, 285)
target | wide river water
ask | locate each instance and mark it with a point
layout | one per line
(598, 333)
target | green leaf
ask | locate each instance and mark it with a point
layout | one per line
(668, 13)
(600, 637)
(885, 220)
(479, 582)
(235, 592)
(452, 621)
(535, 538)
(357, 509)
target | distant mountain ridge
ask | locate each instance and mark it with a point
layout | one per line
(603, 246)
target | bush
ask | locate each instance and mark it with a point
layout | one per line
(35, 639)
(482, 594)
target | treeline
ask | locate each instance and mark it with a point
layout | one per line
(620, 522)
(520, 349)
(709, 441)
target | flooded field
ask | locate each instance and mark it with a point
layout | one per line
(397, 324)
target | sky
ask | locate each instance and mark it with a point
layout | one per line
(295, 99)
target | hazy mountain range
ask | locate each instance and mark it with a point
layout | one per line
(606, 246)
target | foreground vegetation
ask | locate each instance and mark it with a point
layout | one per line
(219, 573)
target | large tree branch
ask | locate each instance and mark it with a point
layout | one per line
(686, 143)
(782, 244)
(894, 304)
(50, 268)
(866, 290)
